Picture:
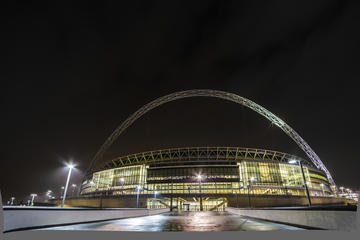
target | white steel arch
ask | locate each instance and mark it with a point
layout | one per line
(217, 94)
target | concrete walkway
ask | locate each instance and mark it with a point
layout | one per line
(185, 221)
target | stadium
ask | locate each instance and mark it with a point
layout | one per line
(207, 178)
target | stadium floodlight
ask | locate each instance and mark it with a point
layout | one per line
(293, 161)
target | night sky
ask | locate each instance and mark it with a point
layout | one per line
(73, 72)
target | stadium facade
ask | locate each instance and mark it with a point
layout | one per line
(208, 178)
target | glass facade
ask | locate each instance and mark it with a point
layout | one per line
(242, 177)
(124, 179)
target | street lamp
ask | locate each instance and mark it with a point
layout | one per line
(155, 193)
(33, 195)
(199, 177)
(122, 181)
(70, 166)
(62, 192)
(12, 200)
(237, 199)
(74, 187)
(294, 161)
(322, 187)
(138, 188)
(252, 180)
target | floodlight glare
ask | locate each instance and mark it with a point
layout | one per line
(293, 161)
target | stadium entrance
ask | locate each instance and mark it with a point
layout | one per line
(189, 204)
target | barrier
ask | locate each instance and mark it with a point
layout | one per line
(315, 219)
(22, 218)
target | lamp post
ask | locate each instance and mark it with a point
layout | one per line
(237, 199)
(33, 195)
(12, 200)
(70, 166)
(252, 179)
(322, 187)
(199, 177)
(138, 188)
(155, 193)
(122, 181)
(62, 192)
(293, 161)
(73, 190)
(172, 194)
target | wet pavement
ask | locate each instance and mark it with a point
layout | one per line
(185, 222)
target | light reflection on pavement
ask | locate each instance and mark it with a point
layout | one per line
(185, 222)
